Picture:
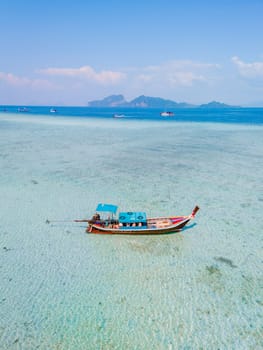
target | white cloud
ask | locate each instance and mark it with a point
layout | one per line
(249, 70)
(17, 81)
(14, 80)
(177, 73)
(104, 77)
(70, 84)
(173, 73)
(185, 78)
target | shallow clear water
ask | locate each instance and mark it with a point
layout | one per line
(64, 289)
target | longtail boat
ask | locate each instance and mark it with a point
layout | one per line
(105, 221)
(167, 114)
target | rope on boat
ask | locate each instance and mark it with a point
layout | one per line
(55, 221)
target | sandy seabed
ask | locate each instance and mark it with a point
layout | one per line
(64, 289)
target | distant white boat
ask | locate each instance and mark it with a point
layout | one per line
(22, 109)
(167, 114)
(53, 110)
(119, 116)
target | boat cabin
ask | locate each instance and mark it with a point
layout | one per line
(106, 216)
(135, 219)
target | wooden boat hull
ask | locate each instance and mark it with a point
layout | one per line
(150, 230)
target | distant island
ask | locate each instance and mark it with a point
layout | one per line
(215, 104)
(151, 102)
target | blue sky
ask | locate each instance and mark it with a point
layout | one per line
(64, 52)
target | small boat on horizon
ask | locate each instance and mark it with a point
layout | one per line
(53, 110)
(118, 115)
(167, 114)
(105, 221)
(23, 109)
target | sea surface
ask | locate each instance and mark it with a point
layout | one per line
(64, 289)
(223, 115)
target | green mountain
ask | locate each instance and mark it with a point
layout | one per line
(140, 102)
(156, 102)
(215, 104)
(150, 102)
(110, 101)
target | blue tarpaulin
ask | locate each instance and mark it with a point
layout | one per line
(110, 208)
(132, 217)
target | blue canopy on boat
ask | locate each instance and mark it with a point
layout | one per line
(110, 208)
(131, 217)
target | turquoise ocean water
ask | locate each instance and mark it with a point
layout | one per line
(64, 289)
